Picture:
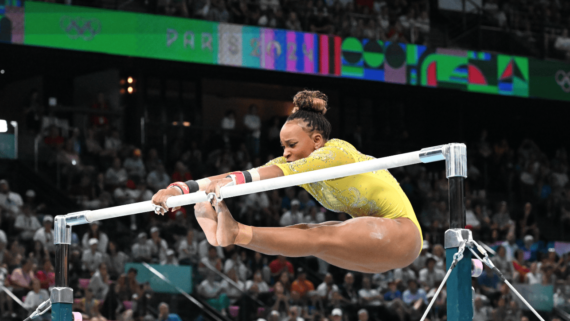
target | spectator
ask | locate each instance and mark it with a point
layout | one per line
(314, 216)
(229, 120)
(87, 303)
(113, 143)
(99, 282)
(210, 262)
(510, 247)
(362, 315)
(252, 123)
(420, 261)
(165, 315)
(336, 314)
(22, 277)
(255, 207)
(134, 165)
(429, 275)
(212, 291)
(422, 23)
(563, 42)
(9, 201)
(502, 221)
(293, 22)
(438, 254)
(54, 139)
(152, 160)
(292, 217)
(158, 246)
(116, 175)
(348, 292)
(46, 274)
(26, 224)
(142, 250)
(101, 104)
(414, 297)
(327, 288)
(115, 260)
(92, 258)
(188, 250)
(294, 312)
(305, 202)
(235, 263)
(258, 281)
(45, 234)
(370, 298)
(181, 173)
(534, 276)
(36, 297)
(501, 262)
(530, 249)
(319, 22)
(33, 202)
(235, 288)
(528, 223)
(301, 285)
(170, 258)
(488, 282)
(158, 179)
(393, 293)
(95, 233)
(480, 311)
(280, 299)
(126, 195)
(279, 265)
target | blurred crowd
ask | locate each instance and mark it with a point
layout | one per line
(510, 193)
(537, 23)
(404, 21)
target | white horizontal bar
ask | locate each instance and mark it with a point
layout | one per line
(264, 185)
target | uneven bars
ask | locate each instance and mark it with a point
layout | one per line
(425, 155)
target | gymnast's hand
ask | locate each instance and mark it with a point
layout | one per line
(159, 199)
(214, 186)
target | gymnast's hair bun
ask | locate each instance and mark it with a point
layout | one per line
(310, 100)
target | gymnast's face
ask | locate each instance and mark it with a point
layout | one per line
(299, 142)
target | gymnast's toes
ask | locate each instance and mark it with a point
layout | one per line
(227, 228)
(207, 218)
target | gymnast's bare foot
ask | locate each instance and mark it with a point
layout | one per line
(228, 228)
(208, 220)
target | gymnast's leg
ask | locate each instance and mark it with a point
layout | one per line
(366, 244)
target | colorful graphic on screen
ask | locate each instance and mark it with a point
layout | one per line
(197, 41)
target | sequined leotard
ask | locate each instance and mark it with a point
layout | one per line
(371, 194)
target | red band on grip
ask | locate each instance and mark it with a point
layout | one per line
(182, 186)
(240, 179)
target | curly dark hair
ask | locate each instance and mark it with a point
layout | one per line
(310, 107)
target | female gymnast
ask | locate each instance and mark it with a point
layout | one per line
(384, 233)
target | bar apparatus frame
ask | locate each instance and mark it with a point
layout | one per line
(459, 301)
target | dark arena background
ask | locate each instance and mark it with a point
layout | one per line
(105, 102)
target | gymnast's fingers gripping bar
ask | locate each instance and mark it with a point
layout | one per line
(454, 154)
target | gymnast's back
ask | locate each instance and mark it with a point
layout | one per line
(370, 194)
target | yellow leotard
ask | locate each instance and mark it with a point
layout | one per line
(371, 194)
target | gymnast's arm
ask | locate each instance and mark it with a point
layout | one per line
(209, 184)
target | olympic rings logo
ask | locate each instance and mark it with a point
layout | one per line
(78, 27)
(563, 80)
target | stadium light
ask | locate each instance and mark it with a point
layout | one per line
(130, 90)
(3, 126)
(130, 80)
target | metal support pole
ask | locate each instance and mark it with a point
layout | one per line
(459, 296)
(61, 255)
(456, 203)
(61, 296)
